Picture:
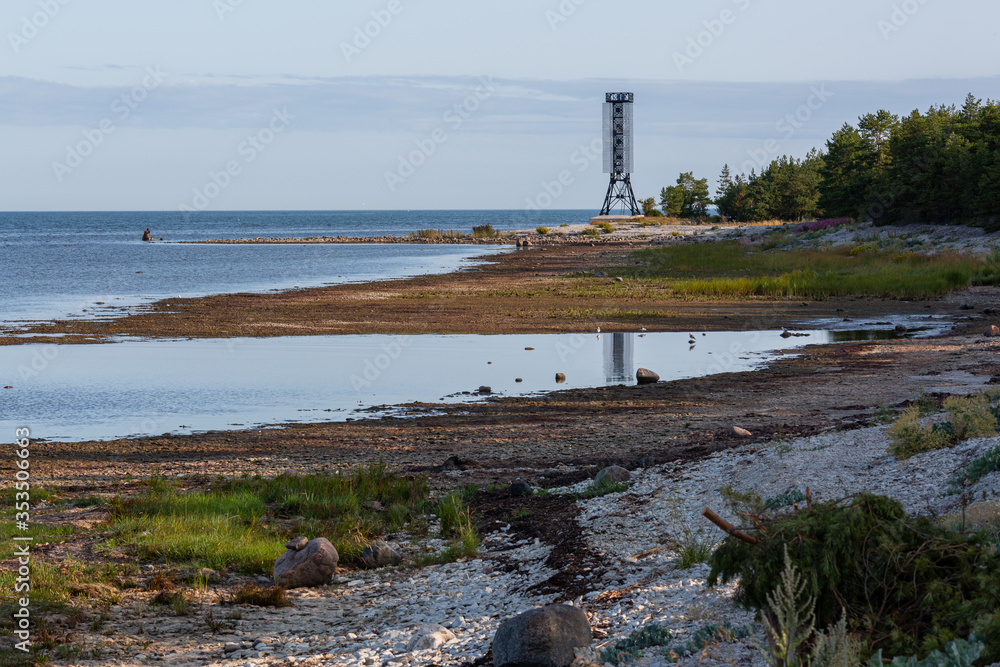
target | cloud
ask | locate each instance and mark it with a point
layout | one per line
(414, 104)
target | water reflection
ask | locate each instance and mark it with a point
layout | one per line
(619, 357)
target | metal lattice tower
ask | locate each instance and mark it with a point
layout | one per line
(618, 153)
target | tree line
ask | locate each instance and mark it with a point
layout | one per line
(941, 166)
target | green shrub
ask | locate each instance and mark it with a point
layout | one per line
(969, 417)
(977, 469)
(957, 653)
(606, 227)
(436, 234)
(483, 232)
(590, 232)
(907, 436)
(542, 230)
(632, 647)
(908, 585)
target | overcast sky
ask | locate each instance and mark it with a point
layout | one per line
(397, 104)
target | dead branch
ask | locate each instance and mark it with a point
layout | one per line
(728, 527)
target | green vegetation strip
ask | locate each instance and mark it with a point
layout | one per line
(726, 269)
(242, 524)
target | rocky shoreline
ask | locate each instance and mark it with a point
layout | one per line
(377, 617)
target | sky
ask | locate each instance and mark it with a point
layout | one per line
(442, 104)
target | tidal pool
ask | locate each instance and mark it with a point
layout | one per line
(132, 388)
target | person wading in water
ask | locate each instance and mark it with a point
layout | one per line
(146, 236)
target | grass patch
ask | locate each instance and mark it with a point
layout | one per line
(484, 232)
(725, 269)
(969, 417)
(436, 234)
(602, 488)
(456, 523)
(242, 523)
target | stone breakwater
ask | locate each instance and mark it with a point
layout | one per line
(519, 240)
(376, 617)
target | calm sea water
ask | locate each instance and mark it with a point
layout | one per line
(75, 392)
(56, 264)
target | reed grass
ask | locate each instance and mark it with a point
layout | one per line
(726, 269)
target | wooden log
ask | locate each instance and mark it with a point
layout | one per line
(728, 527)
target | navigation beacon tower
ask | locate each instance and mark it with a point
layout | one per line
(618, 153)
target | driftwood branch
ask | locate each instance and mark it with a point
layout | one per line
(728, 527)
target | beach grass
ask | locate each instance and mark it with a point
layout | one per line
(436, 234)
(728, 270)
(242, 524)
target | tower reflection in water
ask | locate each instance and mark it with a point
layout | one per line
(619, 357)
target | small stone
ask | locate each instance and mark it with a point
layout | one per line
(644, 462)
(900, 328)
(298, 543)
(520, 489)
(380, 554)
(742, 432)
(615, 474)
(646, 376)
(429, 637)
(485, 390)
(993, 331)
(560, 378)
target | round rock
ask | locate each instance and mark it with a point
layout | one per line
(380, 554)
(543, 637)
(520, 489)
(313, 565)
(646, 376)
(615, 474)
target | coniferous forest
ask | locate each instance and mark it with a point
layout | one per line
(941, 166)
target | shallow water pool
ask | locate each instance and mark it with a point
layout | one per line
(130, 388)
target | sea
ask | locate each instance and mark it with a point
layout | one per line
(55, 265)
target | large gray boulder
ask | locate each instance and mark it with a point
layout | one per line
(306, 563)
(543, 637)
